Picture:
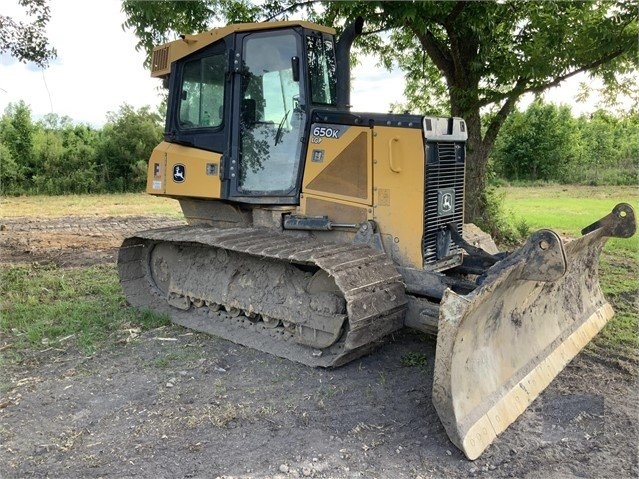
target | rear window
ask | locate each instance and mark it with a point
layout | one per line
(322, 69)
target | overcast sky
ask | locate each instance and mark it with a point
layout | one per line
(98, 69)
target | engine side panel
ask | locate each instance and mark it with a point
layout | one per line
(398, 206)
(376, 171)
(339, 163)
(181, 171)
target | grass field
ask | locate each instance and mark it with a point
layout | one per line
(46, 306)
(135, 204)
(568, 209)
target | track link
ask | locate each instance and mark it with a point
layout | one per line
(321, 304)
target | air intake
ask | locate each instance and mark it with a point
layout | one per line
(444, 202)
(160, 60)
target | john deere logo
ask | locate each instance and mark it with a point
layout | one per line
(445, 201)
(179, 173)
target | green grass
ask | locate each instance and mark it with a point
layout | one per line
(619, 280)
(414, 359)
(567, 209)
(45, 306)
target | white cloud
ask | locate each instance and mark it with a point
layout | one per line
(97, 69)
(374, 88)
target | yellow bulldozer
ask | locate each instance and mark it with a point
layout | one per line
(314, 231)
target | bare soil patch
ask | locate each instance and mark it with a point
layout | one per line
(70, 241)
(173, 403)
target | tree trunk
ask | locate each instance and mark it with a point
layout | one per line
(475, 208)
(476, 164)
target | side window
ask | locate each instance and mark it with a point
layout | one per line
(322, 67)
(202, 93)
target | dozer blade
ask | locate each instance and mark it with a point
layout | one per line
(500, 346)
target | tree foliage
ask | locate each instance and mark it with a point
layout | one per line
(67, 157)
(16, 135)
(461, 58)
(538, 144)
(127, 141)
(27, 40)
(57, 156)
(545, 143)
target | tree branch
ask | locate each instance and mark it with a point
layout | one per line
(436, 51)
(379, 30)
(455, 46)
(292, 7)
(455, 12)
(488, 99)
(498, 120)
(559, 79)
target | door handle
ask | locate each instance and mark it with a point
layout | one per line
(393, 162)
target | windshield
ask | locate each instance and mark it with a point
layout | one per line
(271, 118)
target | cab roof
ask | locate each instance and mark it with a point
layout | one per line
(167, 53)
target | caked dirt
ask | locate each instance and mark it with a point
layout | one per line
(171, 403)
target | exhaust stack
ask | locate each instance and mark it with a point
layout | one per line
(343, 51)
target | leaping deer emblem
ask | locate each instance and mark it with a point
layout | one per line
(178, 173)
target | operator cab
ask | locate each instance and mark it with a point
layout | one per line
(248, 96)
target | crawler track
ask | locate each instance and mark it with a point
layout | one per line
(321, 304)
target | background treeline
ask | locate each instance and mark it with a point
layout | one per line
(58, 156)
(544, 143)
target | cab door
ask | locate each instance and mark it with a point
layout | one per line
(267, 144)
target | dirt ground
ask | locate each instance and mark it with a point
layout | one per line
(172, 403)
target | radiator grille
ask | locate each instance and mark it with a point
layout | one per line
(160, 59)
(444, 176)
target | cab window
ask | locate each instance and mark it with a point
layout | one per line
(322, 69)
(202, 93)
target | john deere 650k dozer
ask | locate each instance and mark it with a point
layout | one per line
(313, 232)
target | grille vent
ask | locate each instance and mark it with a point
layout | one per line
(160, 59)
(444, 173)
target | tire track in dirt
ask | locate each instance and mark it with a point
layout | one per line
(71, 241)
(107, 226)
